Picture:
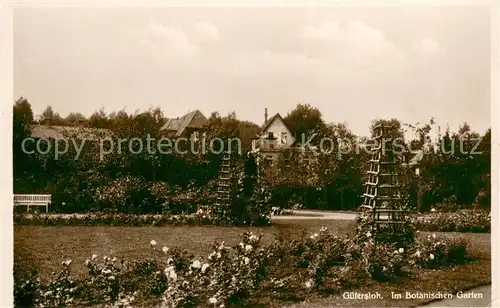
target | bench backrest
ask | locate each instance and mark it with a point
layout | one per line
(32, 198)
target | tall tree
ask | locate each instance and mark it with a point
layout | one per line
(50, 117)
(75, 119)
(395, 132)
(99, 119)
(22, 111)
(304, 121)
(24, 164)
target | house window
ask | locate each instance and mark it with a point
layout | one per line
(283, 138)
(270, 135)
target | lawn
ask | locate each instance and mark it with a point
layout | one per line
(45, 247)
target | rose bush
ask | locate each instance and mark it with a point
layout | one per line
(234, 275)
(202, 217)
(435, 252)
(464, 220)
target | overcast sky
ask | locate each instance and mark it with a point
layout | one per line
(354, 64)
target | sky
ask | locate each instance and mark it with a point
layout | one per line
(354, 64)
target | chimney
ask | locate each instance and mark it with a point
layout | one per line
(265, 115)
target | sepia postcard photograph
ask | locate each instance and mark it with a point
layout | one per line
(250, 156)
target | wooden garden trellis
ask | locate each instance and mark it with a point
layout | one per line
(225, 182)
(382, 197)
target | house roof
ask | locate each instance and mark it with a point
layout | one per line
(268, 122)
(60, 132)
(193, 119)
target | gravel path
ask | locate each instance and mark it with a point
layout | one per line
(319, 215)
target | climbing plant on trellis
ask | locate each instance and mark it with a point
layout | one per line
(384, 212)
(241, 200)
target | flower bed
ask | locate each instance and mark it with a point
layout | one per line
(464, 220)
(171, 277)
(201, 217)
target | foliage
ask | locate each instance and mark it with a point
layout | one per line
(402, 236)
(230, 126)
(463, 220)
(434, 252)
(26, 166)
(304, 121)
(249, 203)
(230, 276)
(380, 254)
(454, 164)
(60, 291)
(395, 132)
(327, 181)
(201, 217)
(326, 176)
(379, 261)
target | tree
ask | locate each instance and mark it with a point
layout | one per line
(450, 169)
(229, 127)
(99, 119)
(23, 111)
(25, 166)
(49, 117)
(483, 197)
(222, 127)
(305, 120)
(396, 132)
(246, 132)
(75, 119)
(347, 163)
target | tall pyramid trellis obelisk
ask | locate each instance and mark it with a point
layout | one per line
(224, 184)
(382, 198)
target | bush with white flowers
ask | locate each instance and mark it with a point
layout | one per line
(235, 275)
(227, 276)
(462, 220)
(60, 291)
(432, 251)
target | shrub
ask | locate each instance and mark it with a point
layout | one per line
(227, 277)
(434, 252)
(113, 196)
(321, 252)
(402, 236)
(483, 198)
(159, 189)
(60, 291)
(464, 220)
(25, 290)
(201, 217)
(231, 276)
(130, 195)
(381, 261)
(141, 200)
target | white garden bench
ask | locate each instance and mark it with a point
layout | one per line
(33, 200)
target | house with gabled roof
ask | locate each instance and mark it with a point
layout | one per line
(185, 125)
(274, 138)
